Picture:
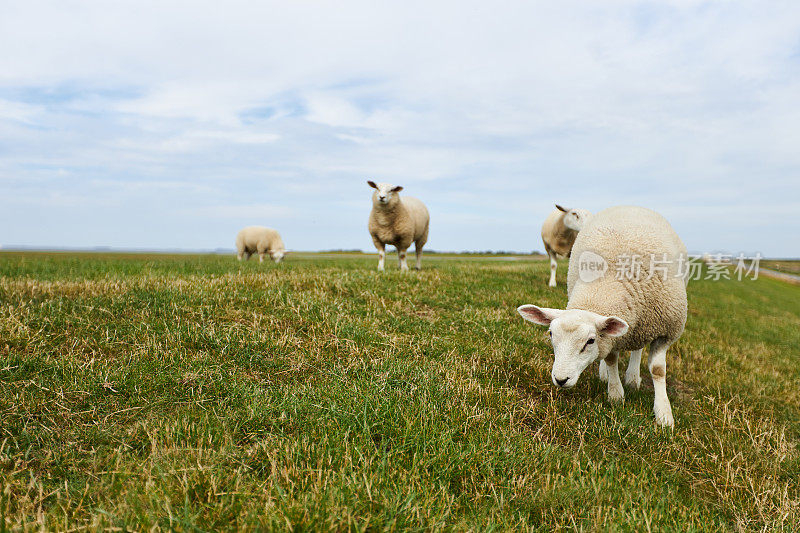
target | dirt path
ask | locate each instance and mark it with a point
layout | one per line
(789, 278)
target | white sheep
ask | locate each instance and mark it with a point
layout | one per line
(261, 240)
(558, 234)
(626, 291)
(397, 221)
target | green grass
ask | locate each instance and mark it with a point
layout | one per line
(197, 393)
(788, 266)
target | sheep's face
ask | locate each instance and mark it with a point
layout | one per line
(385, 193)
(277, 255)
(575, 219)
(579, 338)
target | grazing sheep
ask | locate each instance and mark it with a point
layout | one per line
(558, 234)
(625, 292)
(262, 240)
(397, 221)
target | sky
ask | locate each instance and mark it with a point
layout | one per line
(171, 125)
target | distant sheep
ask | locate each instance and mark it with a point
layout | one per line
(612, 310)
(397, 221)
(261, 240)
(558, 234)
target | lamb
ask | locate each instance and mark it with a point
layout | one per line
(397, 221)
(558, 234)
(626, 290)
(262, 240)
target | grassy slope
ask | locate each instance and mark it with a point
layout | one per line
(196, 392)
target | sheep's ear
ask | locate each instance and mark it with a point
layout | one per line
(538, 315)
(397, 189)
(612, 326)
(372, 184)
(561, 208)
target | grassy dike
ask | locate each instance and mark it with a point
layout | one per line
(197, 393)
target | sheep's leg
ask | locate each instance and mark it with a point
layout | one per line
(553, 266)
(401, 257)
(603, 371)
(418, 248)
(262, 247)
(615, 391)
(381, 254)
(633, 377)
(657, 364)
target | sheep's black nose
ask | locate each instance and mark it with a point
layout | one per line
(562, 382)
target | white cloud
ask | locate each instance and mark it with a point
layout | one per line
(333, 111)
(192, 141)
(254, 211)
(18, 112)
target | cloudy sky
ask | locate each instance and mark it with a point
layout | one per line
(159, 125)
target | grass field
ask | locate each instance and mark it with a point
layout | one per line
(196, 393)
(787, 266)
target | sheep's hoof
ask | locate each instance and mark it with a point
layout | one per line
(616, 395)
(664, 417)
(633, 380)
(552, 283)
(665, 421)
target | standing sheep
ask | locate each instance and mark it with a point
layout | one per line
(261, 240)
(397, 221)
(558, 234)
(625, 291)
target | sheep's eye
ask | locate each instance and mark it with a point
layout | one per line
(590, 341)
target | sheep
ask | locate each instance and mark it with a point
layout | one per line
(625, 291)
(397, 221)
(558, 234)
(260, 239)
